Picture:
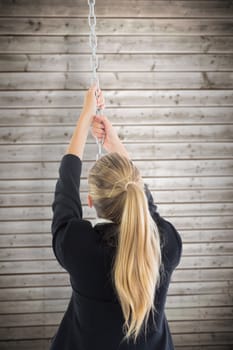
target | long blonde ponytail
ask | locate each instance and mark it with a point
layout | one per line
(118, 194)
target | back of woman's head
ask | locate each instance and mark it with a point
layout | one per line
(117, 191)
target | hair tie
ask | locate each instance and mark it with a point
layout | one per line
(117, 182)
(129, 183)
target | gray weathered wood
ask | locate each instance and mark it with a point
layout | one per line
(182, 223)
(185, 314)
(123, 98)
(190, 251)
(44, 344)
(166, 71)
(117, 80)
(41, 240)
(156, 184)
(51, 265)
(147, 134)
(203, 339)
(207, 347)
(39, 280)
(200, 183)
(176, 327)
(160, 197)
(112, 26)
(28, 332)
(150, 8)
(169, 210)
(109, 62)
(120, 44)
(60, 305)
(164, 149)
(143, 115)
(64, 292)
(26, 344)
(152, 168)
(201, 277)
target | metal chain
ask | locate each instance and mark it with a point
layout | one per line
(94, 62)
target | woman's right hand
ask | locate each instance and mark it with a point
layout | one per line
(102, 129)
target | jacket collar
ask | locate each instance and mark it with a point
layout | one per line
(102, 221)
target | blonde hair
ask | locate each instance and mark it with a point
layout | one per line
(117, 191)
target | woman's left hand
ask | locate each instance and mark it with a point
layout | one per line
(93, 100)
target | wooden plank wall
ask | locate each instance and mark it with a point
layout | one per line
(166, 68)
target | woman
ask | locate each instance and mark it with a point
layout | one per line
(121, 267)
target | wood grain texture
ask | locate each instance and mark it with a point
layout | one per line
(188, 314)
(112, 26)
(132, 8)
(182, 223)
(119, 44)
(199, 183)
(137, 134)
(153, 168)
(117, 80)
(118, 98)
(161, 149)
(175, 115)
(166, 70)
(115, 63)
(161, 197)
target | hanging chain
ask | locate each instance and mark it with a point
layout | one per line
(94, 62)
(93, 41)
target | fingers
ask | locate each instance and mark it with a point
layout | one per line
(99, 133)
(99, 136)
(103, 121)
(98, 128)
(100, 99)
(99, 96)
(95, 91)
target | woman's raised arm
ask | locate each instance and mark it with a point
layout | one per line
(79, 137)
(103, 129)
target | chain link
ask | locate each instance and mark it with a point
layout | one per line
(94, 62)
(93, 41)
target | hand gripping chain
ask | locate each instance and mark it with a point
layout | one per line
(94, 62)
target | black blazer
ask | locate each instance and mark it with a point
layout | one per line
(94, 319)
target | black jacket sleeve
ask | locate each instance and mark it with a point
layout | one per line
(169, 235)
(66, 205)
(152, 206)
